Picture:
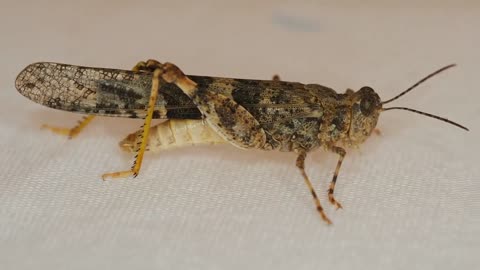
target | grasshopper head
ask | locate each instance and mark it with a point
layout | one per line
(365, 111)
(367, 107)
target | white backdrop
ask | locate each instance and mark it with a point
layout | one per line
(411, 196)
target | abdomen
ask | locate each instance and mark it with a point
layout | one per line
(174, 133)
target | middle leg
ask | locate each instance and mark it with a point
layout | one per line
(301, 166)
(341, 152)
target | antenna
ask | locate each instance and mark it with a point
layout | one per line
(429, 115)
(420, 112)
(418, 83)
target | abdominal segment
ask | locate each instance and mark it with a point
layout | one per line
(173, 133)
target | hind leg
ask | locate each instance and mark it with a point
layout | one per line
(158, 71)
(70, 132)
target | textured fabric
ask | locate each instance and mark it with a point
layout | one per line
(411, 196)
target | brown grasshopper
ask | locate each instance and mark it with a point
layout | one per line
(260, 114)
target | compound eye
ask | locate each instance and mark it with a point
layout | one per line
(367, 105)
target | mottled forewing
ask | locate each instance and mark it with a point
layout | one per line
(99, 91)
(124, 93)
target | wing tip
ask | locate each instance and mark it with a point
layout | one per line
(30, 69)
(27, 81)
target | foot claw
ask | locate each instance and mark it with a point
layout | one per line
(335, 203)
(338, 205)
(327, 220)
(323, 215)
(116, 175)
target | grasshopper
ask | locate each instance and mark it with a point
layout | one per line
(259, 114)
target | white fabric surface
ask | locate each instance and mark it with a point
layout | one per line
(411, 196)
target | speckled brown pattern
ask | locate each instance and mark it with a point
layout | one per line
(261, 114)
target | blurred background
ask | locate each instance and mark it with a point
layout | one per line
(411, 195)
